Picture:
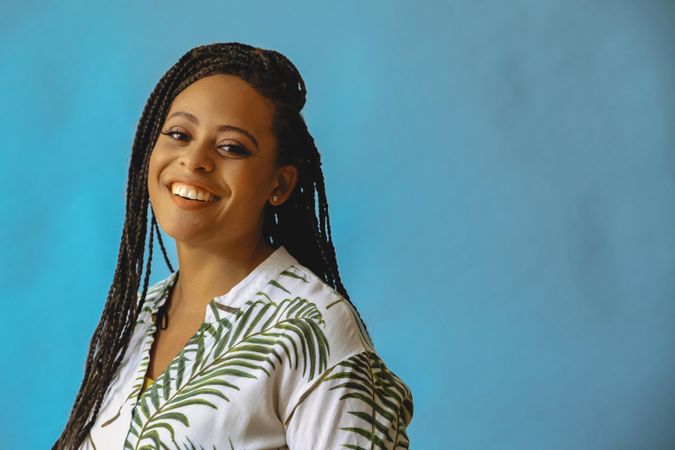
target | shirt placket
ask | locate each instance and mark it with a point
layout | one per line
(131, 439)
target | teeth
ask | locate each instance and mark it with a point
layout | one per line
(191, 192)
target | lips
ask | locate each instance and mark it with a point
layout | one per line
(200, 185)
(192, 192)
(190, 205)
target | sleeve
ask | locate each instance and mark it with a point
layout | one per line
(358, 403)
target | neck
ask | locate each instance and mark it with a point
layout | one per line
(206, 273)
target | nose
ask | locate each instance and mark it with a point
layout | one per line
(197, 156)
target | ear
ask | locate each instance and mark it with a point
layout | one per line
(285, 180)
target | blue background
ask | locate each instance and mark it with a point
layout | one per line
(501, 183)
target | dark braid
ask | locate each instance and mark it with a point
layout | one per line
(289, 224)
(161, 244)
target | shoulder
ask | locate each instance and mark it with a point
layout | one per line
(345, 331)
(335, 329)
(355, 400)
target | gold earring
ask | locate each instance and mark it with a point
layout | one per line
(274, 198)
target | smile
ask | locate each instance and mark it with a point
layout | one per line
(192, 193)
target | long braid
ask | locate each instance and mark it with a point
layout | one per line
(289, 224)
(161, 244)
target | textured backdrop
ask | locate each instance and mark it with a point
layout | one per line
(500, 175)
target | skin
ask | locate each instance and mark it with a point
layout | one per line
(219, 245)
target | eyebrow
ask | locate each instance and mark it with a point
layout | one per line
(192, 118)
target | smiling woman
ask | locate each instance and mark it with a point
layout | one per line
(253, 342)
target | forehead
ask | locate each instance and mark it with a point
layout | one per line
(225, 99)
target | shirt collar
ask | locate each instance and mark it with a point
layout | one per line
(279, 260)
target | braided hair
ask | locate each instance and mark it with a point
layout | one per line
(293, 224)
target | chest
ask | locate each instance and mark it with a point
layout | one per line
(223, 384)
(167, 343)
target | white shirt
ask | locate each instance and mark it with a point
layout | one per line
(281, 361)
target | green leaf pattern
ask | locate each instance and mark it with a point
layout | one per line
(385, 401)
(275, 330)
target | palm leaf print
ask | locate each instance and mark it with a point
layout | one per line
(253, 340)
(389, 401)
(91, 441)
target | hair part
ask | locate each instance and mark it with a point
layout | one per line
(288, 224)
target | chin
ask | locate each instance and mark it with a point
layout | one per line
(181, 227)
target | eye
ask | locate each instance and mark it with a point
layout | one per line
(170, 133)
(232, 148)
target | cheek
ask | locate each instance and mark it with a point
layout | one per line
(251, 183)
(155, 166)
(152, 171)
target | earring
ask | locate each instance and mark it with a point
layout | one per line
(274, 198)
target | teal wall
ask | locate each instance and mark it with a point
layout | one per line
(501, 182)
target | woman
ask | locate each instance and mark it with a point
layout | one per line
(253, 342)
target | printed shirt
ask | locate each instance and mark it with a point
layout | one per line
(281, 361)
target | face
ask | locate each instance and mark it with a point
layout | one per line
(216, 141)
